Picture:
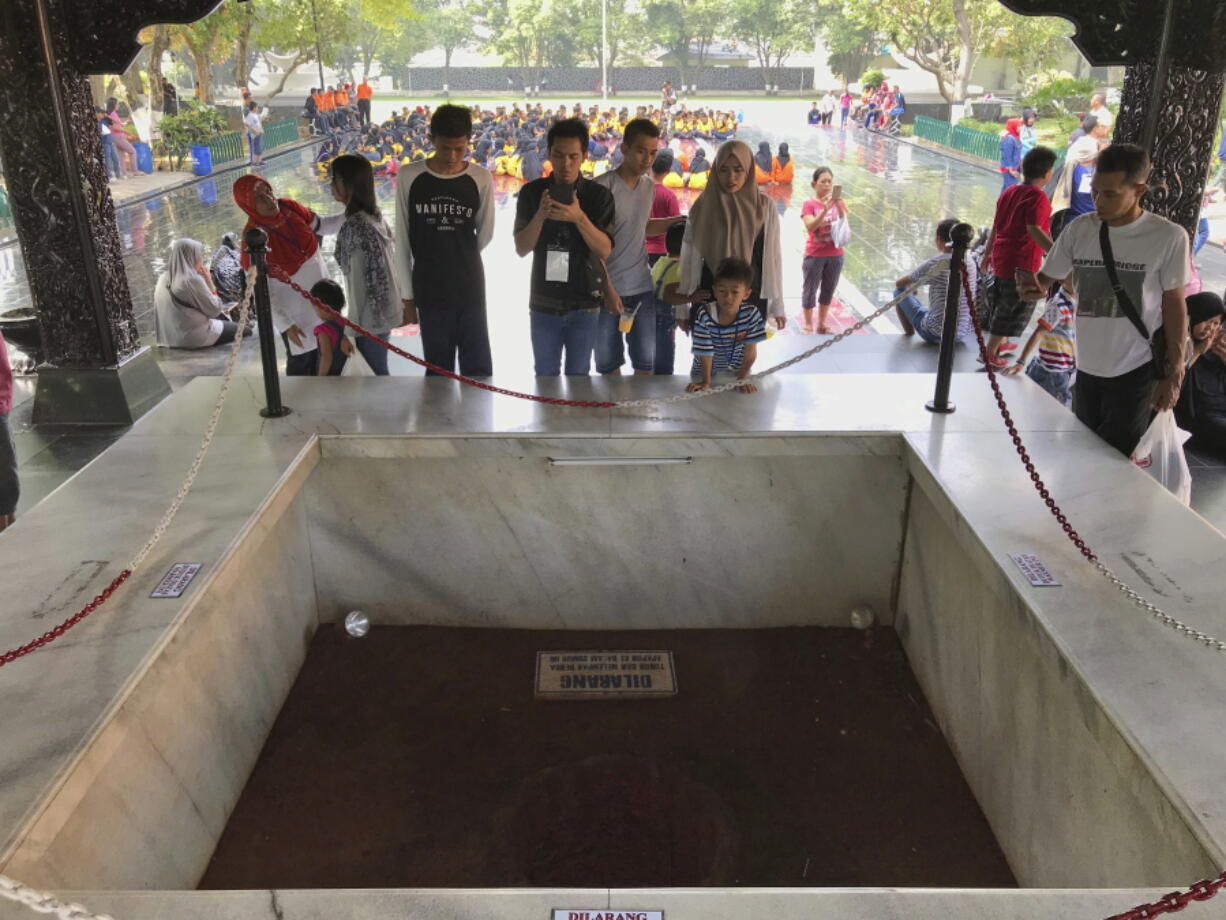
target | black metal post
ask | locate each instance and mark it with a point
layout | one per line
(257, 246)
(961, 236)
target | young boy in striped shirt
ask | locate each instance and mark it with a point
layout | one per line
(1056, 340)
(726, 333)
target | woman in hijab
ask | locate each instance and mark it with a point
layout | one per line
(187, 313)
(1011, 154)
(783, 170)
(764, 163)
(293, 247)
(227, 271)
(732, 218)
(1202, 401)
(364, 253)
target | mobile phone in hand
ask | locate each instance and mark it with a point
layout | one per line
(562, 192)
(837, 193)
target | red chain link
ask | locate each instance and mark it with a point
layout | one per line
(53, 634)
(1176, 900)
(1039, 485)
(279, 274)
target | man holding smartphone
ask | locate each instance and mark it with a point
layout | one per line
(566, 222)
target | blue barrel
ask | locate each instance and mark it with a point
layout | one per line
(202, 159)
(144, 157)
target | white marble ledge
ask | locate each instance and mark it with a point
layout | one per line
(798, 403)
(388, 447)
(1161, 690)
(677, 904)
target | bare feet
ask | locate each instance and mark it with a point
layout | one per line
(824, 330)
(806, 329)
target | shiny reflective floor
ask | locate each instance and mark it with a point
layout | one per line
(896, 193)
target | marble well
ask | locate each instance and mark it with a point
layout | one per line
(1080, 724)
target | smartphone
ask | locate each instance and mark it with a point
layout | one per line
(837, 193)
(562, 192)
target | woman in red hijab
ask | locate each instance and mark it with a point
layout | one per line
(293, 246)
(1011, 154)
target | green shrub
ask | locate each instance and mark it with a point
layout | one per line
(871, 79)
(196, 123)
(1060, 95)
(988, 127)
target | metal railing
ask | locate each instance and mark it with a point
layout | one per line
(971, 141)
(227, 147)
(280, 133)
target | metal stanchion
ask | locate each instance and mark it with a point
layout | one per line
(257, 246)
(961, 236)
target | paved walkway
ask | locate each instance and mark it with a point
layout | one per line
(896, 193)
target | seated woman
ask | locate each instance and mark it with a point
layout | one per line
(700, 170)
(1202, 400)
(187, 314)
(783, 170)
(229, 281)
(765, 163)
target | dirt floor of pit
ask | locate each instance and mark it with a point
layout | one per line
(419, 757)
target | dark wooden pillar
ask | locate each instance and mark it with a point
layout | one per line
(95, 370)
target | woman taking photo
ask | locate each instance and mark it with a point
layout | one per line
(187, 314)
(825, 220)
(733, 218)
(364, 253)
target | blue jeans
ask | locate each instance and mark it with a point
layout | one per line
(1202, 235)
(574, 331)
(914, 311)
(666, 338)
(256, 143)
(1058, 383)
(843, 113)
(374, 353)
(641, 339)
(110, 158)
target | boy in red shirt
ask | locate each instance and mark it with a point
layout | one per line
(1020, 237)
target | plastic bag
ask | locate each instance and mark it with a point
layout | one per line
(840, 232)
(1160, 453)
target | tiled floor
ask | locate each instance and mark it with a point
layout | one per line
(896, 194)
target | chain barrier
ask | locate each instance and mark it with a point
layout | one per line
(211, 429)
(1218, 645)
(1199, 891)
(280, 275)
(43, 903)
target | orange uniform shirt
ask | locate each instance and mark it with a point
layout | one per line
(342, 97)
(365, 91)
(329, 101)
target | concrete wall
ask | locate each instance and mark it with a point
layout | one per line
(756, 532)
(1071, 802)
(147, 800)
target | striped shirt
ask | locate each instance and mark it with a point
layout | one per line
(1058, 334)
(938, 289)
(725, 344)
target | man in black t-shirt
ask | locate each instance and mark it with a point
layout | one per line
(566, 222)
(444, 218)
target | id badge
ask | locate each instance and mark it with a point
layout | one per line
(557, 265)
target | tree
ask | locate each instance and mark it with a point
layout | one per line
(1034, 44)
(944, 37)
(626, 31)
(203, 39)
(529, 35)
(850, 45)
(243, 57)
(288, 28)
(451, 24)
(159, 44)
(686, 29)
(775, 29)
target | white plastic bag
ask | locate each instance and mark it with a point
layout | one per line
(840, 232)
(1160, 453)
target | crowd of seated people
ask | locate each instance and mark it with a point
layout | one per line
(511, 140)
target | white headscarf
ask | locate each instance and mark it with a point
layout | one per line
(182, 278)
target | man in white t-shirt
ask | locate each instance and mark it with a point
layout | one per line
(1098, 108)
(1117, 389)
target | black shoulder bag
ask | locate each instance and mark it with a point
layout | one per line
(1157, 343)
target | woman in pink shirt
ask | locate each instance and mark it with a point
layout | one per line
(9, 488)
(825, 220)
(663, 204)
(121, 139)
